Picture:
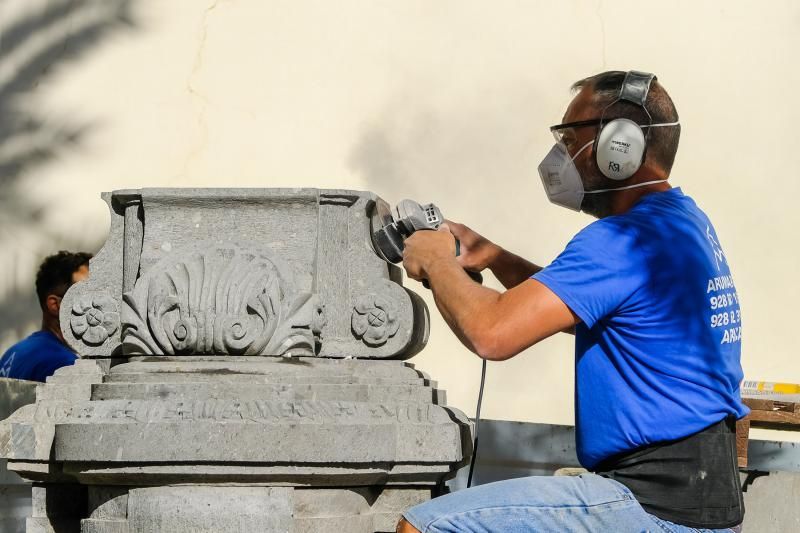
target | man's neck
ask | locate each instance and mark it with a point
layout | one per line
(53, 326)
(624, 200)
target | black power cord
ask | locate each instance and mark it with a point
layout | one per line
(477, 421)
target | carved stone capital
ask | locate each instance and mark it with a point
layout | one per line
(242, 272)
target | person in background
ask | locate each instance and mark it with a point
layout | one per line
(45, 351)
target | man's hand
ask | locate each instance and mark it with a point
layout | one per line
(477, 252)
(426, 248)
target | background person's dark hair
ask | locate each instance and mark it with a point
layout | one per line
(55, 273)
(662, 143)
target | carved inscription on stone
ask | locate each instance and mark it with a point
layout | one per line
(221, 300)
(258, 411)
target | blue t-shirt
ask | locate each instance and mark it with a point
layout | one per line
(36, 357)
(657, 354)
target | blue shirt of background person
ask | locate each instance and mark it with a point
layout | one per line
(36, 357)
(42, 353)
(660, 337)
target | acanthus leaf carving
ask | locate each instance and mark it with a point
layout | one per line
(224, 300)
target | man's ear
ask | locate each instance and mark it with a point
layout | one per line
(52, 305)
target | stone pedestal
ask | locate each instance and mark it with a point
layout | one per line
(242, 371)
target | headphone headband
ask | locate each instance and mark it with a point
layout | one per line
(636, 86)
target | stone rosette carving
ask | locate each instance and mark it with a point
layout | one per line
(374, 319)
(222, 300)
(95, 317)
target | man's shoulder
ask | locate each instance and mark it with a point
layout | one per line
(672, 203)
(613, 231)
(40, 344)
(35, 357)
(648, 217)
(28, 344)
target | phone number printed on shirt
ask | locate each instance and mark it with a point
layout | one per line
(725, 309)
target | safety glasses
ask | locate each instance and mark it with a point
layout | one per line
(563, 132)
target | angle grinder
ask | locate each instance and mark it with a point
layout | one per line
(390, 229)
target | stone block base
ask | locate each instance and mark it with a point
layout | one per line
(208, 508)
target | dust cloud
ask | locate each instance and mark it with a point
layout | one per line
(475, 157)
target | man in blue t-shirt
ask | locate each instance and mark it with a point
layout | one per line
(43, 352)
(647, 291)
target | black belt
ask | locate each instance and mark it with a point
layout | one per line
(693, 481)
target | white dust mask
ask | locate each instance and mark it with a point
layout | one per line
(560, 177)
(562, 181)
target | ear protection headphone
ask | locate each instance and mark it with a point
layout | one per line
(621, 144)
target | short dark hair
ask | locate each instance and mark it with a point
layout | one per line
(662, 143)
(55, 273)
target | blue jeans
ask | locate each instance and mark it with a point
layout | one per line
(563, 503)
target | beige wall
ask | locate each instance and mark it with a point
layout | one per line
(439, 101)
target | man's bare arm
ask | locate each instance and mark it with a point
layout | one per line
(478, 253)
(494, 325)
(511, 269)
(497, 326)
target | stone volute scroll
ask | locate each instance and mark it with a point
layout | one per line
(90, 310)
(242, 369)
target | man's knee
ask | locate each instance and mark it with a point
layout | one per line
(404, 527)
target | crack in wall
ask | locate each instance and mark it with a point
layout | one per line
(200, 101)
(602, 31)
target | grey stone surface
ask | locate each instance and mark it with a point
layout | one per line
(51, 525)
(57, 508)
(770, 503)
(210, 509)
(15, 506)
(242, 370)
(14, 393)
(71, 383)
(265, 431)
(27, 441)
(288, 475)
(362, 509)
(264, 369)
(59, 501)
(354, 392)
(107, 503)
(99, 525)
(262, 509)
(15, 493)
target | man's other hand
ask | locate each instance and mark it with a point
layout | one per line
(425, 248)
(477, 252)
